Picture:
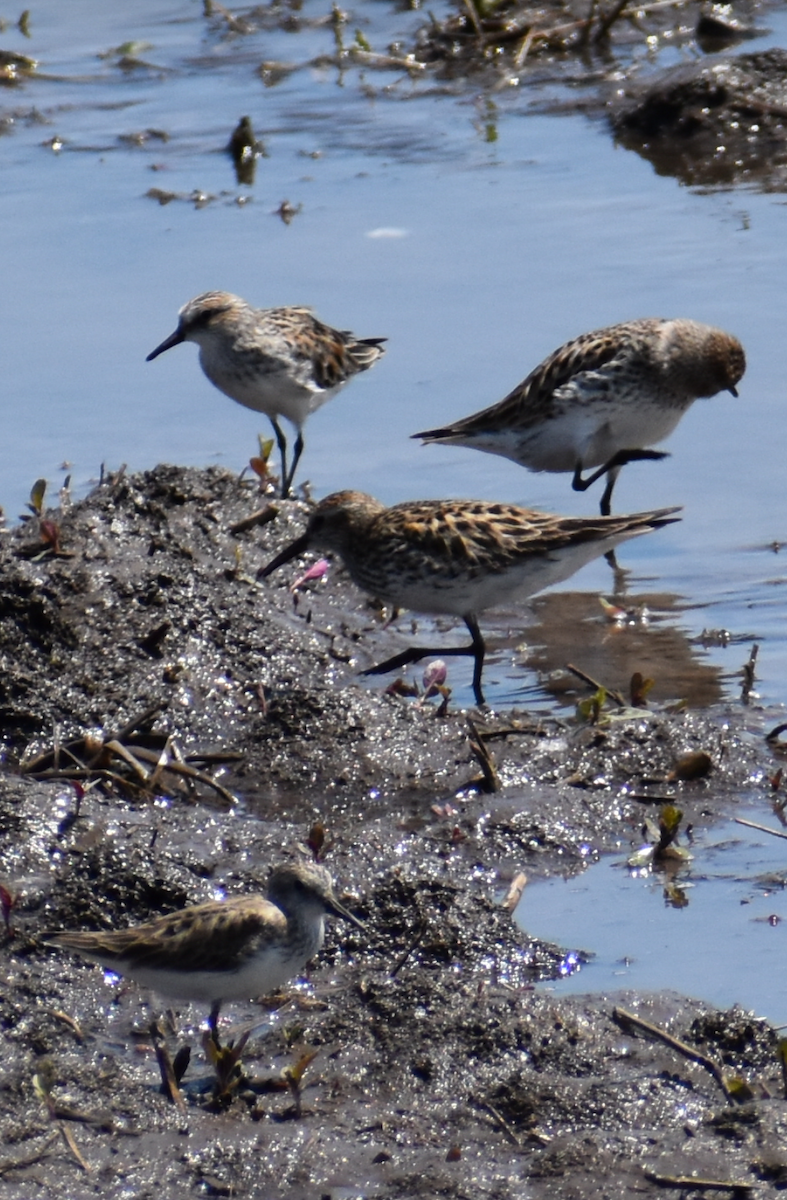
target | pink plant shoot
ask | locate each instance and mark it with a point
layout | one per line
(7, 902)
(435, 676)
(317, 571)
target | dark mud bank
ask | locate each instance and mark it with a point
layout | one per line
(720, 121)
(140, 629)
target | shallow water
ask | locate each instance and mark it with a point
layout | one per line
(643, 928)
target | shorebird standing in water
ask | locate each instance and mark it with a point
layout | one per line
(279, 361)
(235, 949)
(456, 556)
(604, 397)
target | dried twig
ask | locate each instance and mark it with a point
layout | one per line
(28, 1160)
(490, 780)
(136, 723)
(625, 1018)
(263, 516)
(73, 1025)
(70, 1141)
(163, 760)
(89, 773)
(505, 731)
(169, 1083)
(474, 18)
(413, 946)
(748, 674)
(588, 679)
(762, 828)
(585, 39)
(501, 1122)
(36, 768)
(188, 772)
(121, 752)
(694, 1183)
(607, 22)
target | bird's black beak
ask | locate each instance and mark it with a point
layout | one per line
(733, 392)
(339, 910)
(294, 550)
(174, 339)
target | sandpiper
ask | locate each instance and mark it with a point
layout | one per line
(603, 397)
(456, 556)
(234, 949)
(279, 361)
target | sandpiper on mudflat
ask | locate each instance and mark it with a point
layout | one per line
(457, 556)
(279, 361)
(234, 949)
(602, 398)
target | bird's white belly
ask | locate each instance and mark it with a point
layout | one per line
(465, 594)
(592, 434)
(588, 433)
(255, 978)
(273, 392)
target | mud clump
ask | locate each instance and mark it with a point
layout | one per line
(140, 629)
(720, 121)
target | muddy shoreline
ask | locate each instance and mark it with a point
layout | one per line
(440, 1071)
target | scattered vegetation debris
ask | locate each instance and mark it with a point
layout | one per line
(43, 1082)
(169, 1080)
(48, 529)
(515, 890)
(762, 828)
(196, 197)
(730, 1086)
(661, 845)
(747, 684)
(7, 902)
(293, 1077)
(597, 687)
(318, 842)
(489, 781)
(72, 1024)
(400, 687)
(261, 463)
(696, 1183)
(505, 33)
(590, 709)
(135, 761)
(244, 150)
(14, 66)
(226, 1062)
(638, 690)
(287, 211)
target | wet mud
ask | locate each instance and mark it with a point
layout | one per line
(143, 661)
(717, 119)
(721, 121)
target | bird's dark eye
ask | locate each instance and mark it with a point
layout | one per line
(200, 319)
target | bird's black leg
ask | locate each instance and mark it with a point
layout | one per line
(606, 506)
(414, 654)
(213, 1022)
(281, 441)
(617, 461)
(479, 650)
(297, 452)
